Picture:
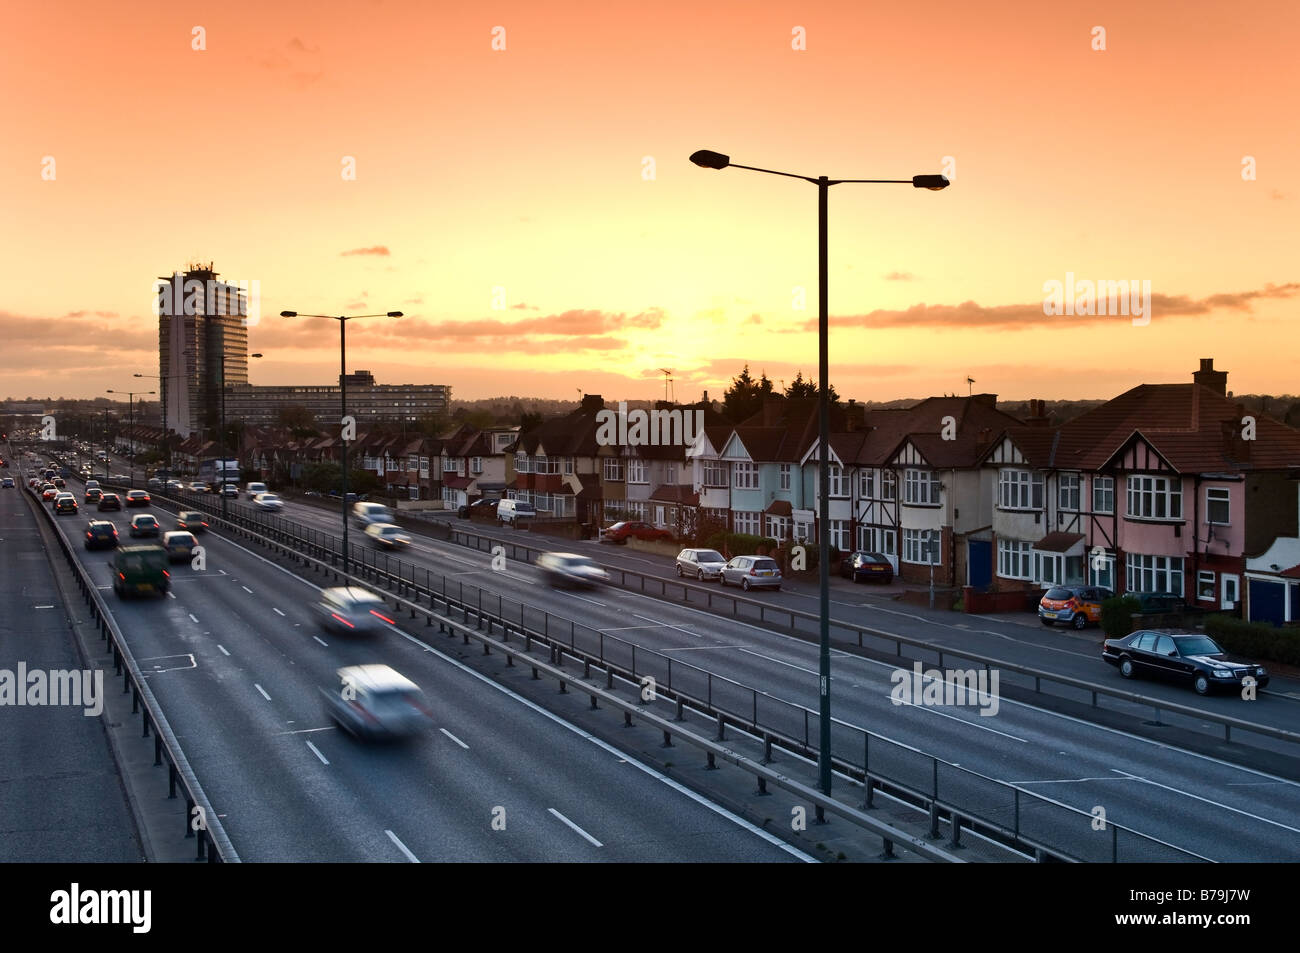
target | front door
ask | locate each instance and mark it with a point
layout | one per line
(1231, 592)
(979, 562)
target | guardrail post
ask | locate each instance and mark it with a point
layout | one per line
(564, 688)
(888, 853)
(1114, 844)
(594, 704)
(627, 719)
(668, 741)
(955, 843)
(679, 716)
(609, 678)
(722, 728)
(767, 749)
(135, 699)
(157, 749)
(711, 765)
(934, 821)
(535, 675)
(870, 784)
(189, 812)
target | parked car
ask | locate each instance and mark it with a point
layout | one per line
(109, 501)
(352, 497)
(570, 569)
(863, 565)
(179, 544)
(752, 572)
(509, 511)
(388, 536)
(1076, 605)
(1193, 658)
(101, 534)
(144, 524)
(701, 563)
(191, 520)
(140, 570)
(352, 610)
(93, 494)
(269, 502)
(65, 503)
(622, 531)
(1157, 601)
(363, 514)
(375, 701)
(137, 498)
(483, 507)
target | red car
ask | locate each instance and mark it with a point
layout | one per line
(621, 531)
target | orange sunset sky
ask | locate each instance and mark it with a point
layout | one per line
(526, 169)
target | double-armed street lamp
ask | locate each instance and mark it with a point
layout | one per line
(167, 444)
(221, 481)
(343, 320)
(130, 426)
(716, 160)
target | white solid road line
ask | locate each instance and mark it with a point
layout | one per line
(247, 590)
(320, 640)
(454, 738)
(575, 827)
(170, 594)
(316, 752)
(402, 847)
(276, 611)
(262, 690)
(192, 619)
(972, 724)
(587, 599)
(667, 625)
(223, 649)
(1205, 800)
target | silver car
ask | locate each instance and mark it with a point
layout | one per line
(388, 536)
(752, 572)
(352, 611)
(374, 701)
(269, 502)
(570, 569)
(700, 563)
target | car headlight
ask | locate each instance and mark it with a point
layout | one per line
(1222, 673)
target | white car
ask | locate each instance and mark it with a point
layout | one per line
(570, 569)
(254, 488)
(268, 501)
(388, 536)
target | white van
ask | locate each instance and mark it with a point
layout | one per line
(367, 513)
(510, 510)
(252, 489)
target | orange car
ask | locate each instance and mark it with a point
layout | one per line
(1077, 605)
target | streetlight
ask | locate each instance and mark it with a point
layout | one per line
(167, 444)
(130, 424)
(343, 320)
(716, 160)
(221, 485)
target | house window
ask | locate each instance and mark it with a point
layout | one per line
(539, 464)
(1155, 498)
(476, 465)
(888, 485)
(866, 484)
(1216, 505)
(867, 539)
(1068, 492)
(1103, 495)
(1013, 559)
(748, 522)
(1101, 571)
(1048, 566)
(838, 486)
(1205, 586)
(920, 488)
(888, 542)
(840, 534)
(1154, 573)
(670, 474)
(568, 465)
(613, 468)
(746, 476)
(802, 530)
(521, 462)
(778, 527)
(1020, 490)
(916, 542)
(542, 502)
(637, 471)
(785, 476)
(715, 473)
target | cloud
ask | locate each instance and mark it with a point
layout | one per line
(900, 276)
(372, 250)
(301, 47)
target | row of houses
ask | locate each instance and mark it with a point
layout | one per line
(1165, 488)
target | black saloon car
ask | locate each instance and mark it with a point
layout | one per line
(1185, 658)
(101, 534)
(858, 566)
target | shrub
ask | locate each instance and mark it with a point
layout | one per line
(740, 544)
(1254, 639)
(1117, 616)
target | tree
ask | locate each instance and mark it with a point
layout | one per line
(300, 421)
(529, 422)
(745, 396)
(800, 388)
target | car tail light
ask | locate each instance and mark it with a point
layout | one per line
(89, 534)
(343, 620)
(167, 574)
(377, 615)
(121, 576)
(753, 572)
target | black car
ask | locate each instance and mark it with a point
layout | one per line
(110, 501)
(101, 534)
(861, 565)
(1181, 657)
(485, 508)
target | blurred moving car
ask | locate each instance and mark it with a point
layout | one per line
(174, 485)
(137, 498)
(255, 487)
(140, 570)
(191, 520)
(363, 514)
(179, 544)
(144, 524)
(352, 611)
(110, 501)
(1076, 605)
(101, 534)
(154, 483)
(269, 502)
(65, 503)
(388, 536)
(624, 530)
(863, 565)
(1197, 659)
(700, 563)
(375, 701)
(230, 491)
(752, 572)
(571, 570)
(197, 486)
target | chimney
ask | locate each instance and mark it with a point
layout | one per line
(592, 403)
(989, 399)
(1234, 447)
(1037, 413)
(1207, 376)
(985, 438)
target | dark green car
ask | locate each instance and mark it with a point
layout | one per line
(140, 570)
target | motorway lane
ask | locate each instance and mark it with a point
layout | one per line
(1242, 815)
(280, 801)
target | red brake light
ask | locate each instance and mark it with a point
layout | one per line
(167, 574)
(384, 617)
(343, 620)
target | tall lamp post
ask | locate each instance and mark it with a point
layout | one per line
(105, 444)
(130, 425)
(167, 444)
(716, 160)
(343, 320)
(221, 484)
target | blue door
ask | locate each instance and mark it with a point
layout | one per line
(1266, 601)
(979, 562)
